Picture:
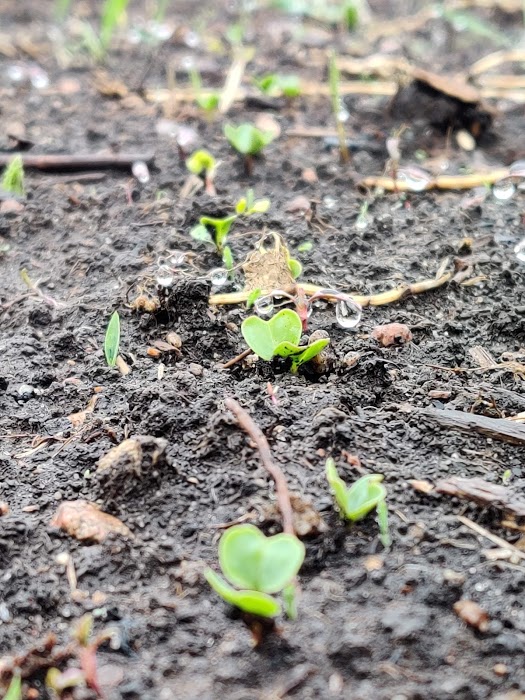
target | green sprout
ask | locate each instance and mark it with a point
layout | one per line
(248, 205)
(14, 692)
(333, 80)
(113, 14)
(280, 336)
(249, 141)
(258, 566)
(220, 228)
(365, 495)
(202, 162)
(275, 85)
(112, 339)
(207, 101)
(13, 177)
(227, 259)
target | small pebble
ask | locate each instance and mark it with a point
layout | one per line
(195, 369)
(26, 391)
(500, 669)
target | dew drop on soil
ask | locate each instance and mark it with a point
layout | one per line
(329, 202)
(363, 222)
(347, 313)
(503, 189)
(141, 171)
(414, 178)
(519, 250)
(164, 277)
(218, 277)
(264, 306)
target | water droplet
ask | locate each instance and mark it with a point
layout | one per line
(363, 221)
(16, 73)
(160, 30)
(503, 189)
(519, 250)
(187, 62)
(517, 169)
(38, 77)
(218, 277)
(140, 171)
(186, 137)
(177, 258)
(415, 179)
(264, 306)
(192, 39)
(347, 313)
(342, 114)
(164, 276)
(329, 202)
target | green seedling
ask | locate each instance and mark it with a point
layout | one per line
(203, 163)
(227, 259)
(248, 205)
(207, 101)
(13, 177)
(365, 495)
(280, 336)
(249, 141)
(220, 229)
(14, 692)
(257, 565)
(112, 339)
(252, 297)
(113, 14)
(295, 267)
(276, 85)
(333, 80)
(305, 247)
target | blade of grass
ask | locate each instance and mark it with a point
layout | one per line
(112, 339)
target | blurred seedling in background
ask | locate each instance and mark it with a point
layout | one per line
(338, 108)
(342, 13)
(213, 230)
(280, 337)
(202, 163)
(98, 43)
(112, 340)
(246, 206)
(13, 177)
(207, 100)
(357, 501)
(277, 85)
(249, 141)
(258, 566)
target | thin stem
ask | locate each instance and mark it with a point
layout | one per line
(333, 79)
(281, 487)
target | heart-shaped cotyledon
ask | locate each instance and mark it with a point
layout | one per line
(264, 337)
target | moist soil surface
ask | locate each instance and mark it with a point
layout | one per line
(372, 623)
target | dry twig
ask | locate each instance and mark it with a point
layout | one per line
(281, 488)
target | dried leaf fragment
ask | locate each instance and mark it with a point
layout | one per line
(85, 521)
(472, 614)
(391, 333)
(421, 485)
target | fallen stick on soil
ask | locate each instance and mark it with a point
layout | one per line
(281, 488)
(93, 161)
(484, 493)
(493, 538)
(440, 182)
(496, 428)
(236, 359)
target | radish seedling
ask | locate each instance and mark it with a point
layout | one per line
(112, 339)
(219, 227)
(248, 205)
(357, 501)
(258, 566)
(280, 336)
(13, 177)
(203, 163)
(208, 101)
(275, 85)
(249, 141)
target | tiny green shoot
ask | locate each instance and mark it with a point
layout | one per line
(220, 228)
(252, 297)
(248, 140)
(305, 247)
(207, 101)
(257, 565)
(276, 85)
(113, 14)
(13, 177)
(112, 339)
(365, 495)
(248, 205)
(507, 476)
(280, 336)
(227, 259)
(14, 692)
(295, 267)
(333, 80)
(203, 163)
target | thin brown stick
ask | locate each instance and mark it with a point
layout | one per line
(440, 182)
(493, 538)
(79, 162)
(281, 487)
(236, 359)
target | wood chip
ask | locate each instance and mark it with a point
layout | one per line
(483, 492)
(86, 522)
(421, 486)
(473, 614)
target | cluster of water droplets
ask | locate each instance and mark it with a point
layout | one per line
(505, 189)
(28, 72)
(413, 178)
(168, 267)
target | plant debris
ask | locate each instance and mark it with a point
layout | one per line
(86, 522)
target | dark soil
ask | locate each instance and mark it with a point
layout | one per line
(363, 632)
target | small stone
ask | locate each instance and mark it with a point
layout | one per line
(465, 140)
(500, 669)
(26, 391)
(351, 359)
(4, 508)
(391, 333)
(11, 208)
(195, 369)
(174, 340)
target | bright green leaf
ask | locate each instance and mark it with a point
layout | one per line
(13, 177)
(201, 233)
(112, 339)
(248, 139)
(252, 297)
(253, 602)
(264, 336)
(14, 692)
(295, 267)
(201, 161)
(305, 247)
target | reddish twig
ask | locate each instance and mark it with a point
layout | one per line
(281, 488)
(236, 359)
(93, 161)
